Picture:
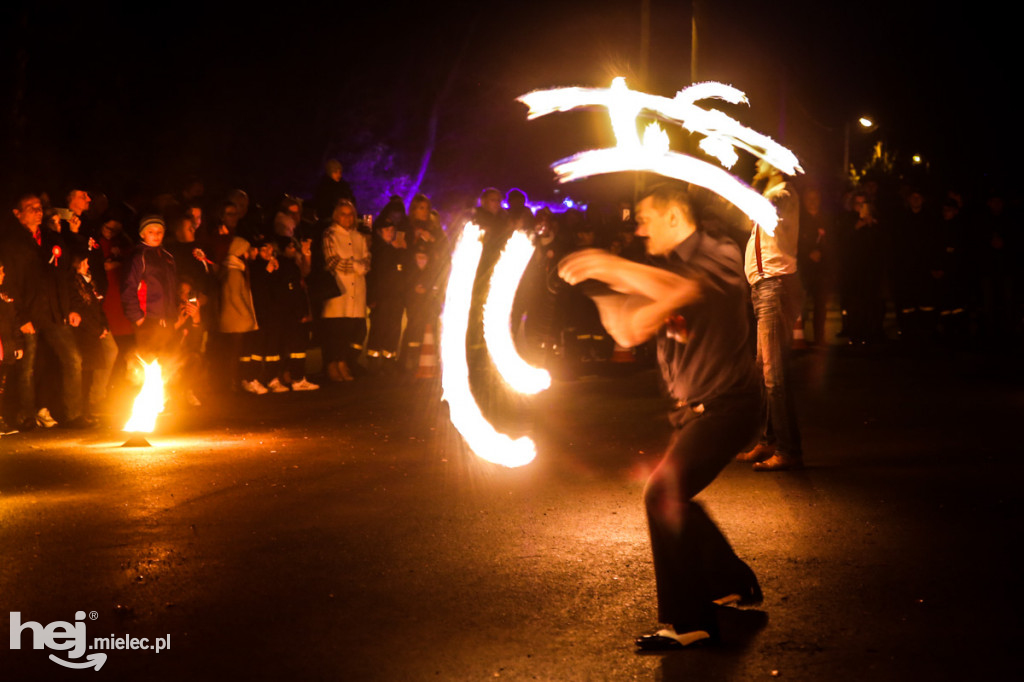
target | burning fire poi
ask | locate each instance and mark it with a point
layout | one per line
(508, 271)
(482, 438)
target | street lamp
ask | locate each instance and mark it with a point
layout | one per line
(865, 124)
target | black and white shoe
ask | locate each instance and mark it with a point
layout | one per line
(668, 639)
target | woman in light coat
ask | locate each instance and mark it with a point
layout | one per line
(347, 259)
(237, 315)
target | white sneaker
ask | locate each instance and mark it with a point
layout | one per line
(45, 419)
(304, 385)
(276, 386)
(192, 400)
(253, 386)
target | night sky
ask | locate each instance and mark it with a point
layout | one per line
(110, 94)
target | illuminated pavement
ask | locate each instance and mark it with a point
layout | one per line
(343, 535)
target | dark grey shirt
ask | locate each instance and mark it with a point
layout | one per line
(705, 349)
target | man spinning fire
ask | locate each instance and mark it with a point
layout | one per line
(693, 298)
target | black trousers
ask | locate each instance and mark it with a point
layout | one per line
(343, 339)
(693, 562)
(386, 326)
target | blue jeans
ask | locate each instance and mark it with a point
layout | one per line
(777, 303)
(60, 339)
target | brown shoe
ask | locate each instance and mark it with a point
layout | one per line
(760, 453)
(780, 461)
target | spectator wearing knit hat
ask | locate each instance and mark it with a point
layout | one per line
(149, 291)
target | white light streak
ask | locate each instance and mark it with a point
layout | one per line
(723, 135)
(621, 101)
(508, 271)
(725, 153)
(149, 402)
(672, 165)
(655, 139)
(711, 90)
(623, 116)
(465, 414)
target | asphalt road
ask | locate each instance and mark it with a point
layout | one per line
(346, 534)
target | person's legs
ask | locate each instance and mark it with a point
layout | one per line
(5, 369)
(293, 351)
(232, 354)
(776, 303)
(26, 383)
(62, 341)
(250, 356)
(354, 334)
(333, 329)
(693, 562)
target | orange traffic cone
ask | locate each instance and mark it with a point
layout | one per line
(799, 342)
(428, 355)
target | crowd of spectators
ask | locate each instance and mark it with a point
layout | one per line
(226, 296)
(232, 298)
(911, 265)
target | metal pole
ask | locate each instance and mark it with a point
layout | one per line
(693, 42)
(846, 151)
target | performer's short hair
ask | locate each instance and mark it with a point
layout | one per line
(667, 193)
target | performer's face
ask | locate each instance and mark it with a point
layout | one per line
(657, 226)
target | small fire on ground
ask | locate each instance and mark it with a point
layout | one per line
(149, 402)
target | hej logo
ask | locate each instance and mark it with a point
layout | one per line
(59, 636)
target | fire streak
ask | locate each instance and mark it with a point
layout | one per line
(149, 402)
(723, 135)
(464, 411)
(681, 109)
(508, 271)
(670, 164)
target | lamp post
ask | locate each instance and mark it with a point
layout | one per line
(865, 124)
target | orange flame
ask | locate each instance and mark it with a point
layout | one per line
(149, 402)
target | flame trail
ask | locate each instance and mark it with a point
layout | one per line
(466, 416)
(673, 165)
(508, 271)
(723, 136)
(149, 402)
(621, 101)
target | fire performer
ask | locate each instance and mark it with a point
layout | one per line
(694, 292)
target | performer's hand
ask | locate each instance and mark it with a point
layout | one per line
(74, 319)
(588, 264)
